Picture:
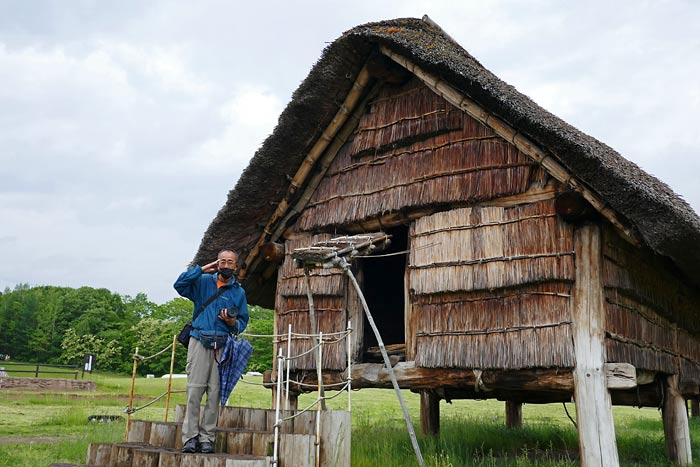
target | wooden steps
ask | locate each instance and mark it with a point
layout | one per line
(244, 438)
(144, 455)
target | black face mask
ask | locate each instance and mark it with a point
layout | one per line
(226, 273)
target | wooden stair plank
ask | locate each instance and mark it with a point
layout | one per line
(245, 438)
(139, 431)
(98, 453)
(165, 435)
(297, 450)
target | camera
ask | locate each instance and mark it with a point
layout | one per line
(231, 312)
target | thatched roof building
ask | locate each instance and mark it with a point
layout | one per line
(646, 206)
(529, 261)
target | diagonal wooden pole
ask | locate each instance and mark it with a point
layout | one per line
(343, 264)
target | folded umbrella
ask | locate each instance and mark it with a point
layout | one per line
(232, 364)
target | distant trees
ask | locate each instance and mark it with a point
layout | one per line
(49, 324)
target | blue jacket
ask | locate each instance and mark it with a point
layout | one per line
(199, 288)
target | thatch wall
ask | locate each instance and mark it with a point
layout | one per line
(490, 247)
(492, 288)
(413, 149)
(329, 294)
(650, 312)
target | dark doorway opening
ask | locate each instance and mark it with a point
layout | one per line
(383, 288)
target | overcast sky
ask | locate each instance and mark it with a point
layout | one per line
(124, 124)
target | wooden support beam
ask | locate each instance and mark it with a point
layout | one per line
(514, 414)
(675, 418)
(429, 413)
(597, 446)
(620, 375)
(529, 385)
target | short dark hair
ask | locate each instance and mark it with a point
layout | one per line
(230, 250)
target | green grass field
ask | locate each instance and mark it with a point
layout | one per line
(472, 432)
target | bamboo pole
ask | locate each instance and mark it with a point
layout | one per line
(343, 264)
(325, 162)
(350, 103)
(170, 379)
(131, 395)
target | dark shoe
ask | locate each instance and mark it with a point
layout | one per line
(191, 445)
(206, 448)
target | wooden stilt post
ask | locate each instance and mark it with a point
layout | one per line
(596, 431)
(293, 401)
(429, 413)
(514, 414)
(695, 407)
(675, 416)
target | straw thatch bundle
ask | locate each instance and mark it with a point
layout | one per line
(328, 287)
(647, 308)
(400, 114)
(514, 328)
(490, 247)
(330, 318)
(492, 287)
(414, 149)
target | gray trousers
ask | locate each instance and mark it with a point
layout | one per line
(202, 376)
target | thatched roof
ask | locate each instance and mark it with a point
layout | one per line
(663, 221)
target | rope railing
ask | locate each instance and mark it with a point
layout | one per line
(320, 339)
(142, 358)
(283, 362)
(295, 334)
(130, 410)
(303, 354)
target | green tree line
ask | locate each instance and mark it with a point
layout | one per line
(49, 324)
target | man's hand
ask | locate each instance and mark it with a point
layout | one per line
(210, 268)
(223, 315)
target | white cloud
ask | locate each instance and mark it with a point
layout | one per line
(246, 119)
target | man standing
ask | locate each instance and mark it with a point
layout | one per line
(224, 311)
